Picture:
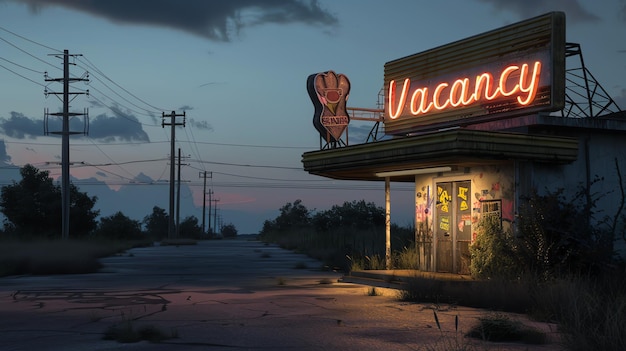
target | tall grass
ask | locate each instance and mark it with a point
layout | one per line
(590, 311)
(41, 257)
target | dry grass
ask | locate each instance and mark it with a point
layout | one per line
(58, 256)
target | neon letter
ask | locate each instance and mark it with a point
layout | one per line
(460, 98)
(504, 77)
(422, 107)
(436, 94)
(485, 80)
(392, 97)
(531, 89)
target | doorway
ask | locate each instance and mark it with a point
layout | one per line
(453, 227)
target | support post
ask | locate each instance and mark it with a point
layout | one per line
(387, 223)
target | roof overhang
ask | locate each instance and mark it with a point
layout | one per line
(430, 153)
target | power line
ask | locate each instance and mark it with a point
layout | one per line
(21, 76)
(29, 54)
(89, 63)
(31, 41)
(247, 165)
(167, 142)
(146, 113)
(21, 66)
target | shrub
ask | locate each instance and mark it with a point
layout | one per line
(118, 226)
(491, 253)
(500, 328)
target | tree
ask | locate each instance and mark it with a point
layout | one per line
(292, 216)
(229, 231)
(189, 228)
(119, 226)
(157, 223)
(32, 207)
(355, 215)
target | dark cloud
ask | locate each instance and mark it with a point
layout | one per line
(4, 157)
(19, 126)
(216, 20)
(123, 126)
(200, 124)
(530, 8)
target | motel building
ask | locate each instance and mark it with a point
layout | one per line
(477, 125)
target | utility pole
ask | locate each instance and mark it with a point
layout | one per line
(65, 136)
(215, 215)
(210, 201)
(204, 175)
(170, 229)
(180, 162)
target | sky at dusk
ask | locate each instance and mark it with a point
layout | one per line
(238, 70)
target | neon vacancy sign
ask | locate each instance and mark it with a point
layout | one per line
(518, 81)
(511, 71)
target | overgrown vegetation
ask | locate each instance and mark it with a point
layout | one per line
(32, 207)
(344, 237)
(30, 238)
(58, 256)
(498, 327)
(559, 268)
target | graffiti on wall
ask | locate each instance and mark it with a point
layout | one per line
(494, 188)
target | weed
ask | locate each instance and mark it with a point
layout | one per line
(500, 328)
(281, 281)
(450, 343)
(372, 291)
(125, 332)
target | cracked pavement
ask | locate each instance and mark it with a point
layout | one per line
(225, 295)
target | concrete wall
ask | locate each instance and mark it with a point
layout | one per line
(596, 163)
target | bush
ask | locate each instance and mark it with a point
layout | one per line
(491, 253)
(118, 226)
(229, 231)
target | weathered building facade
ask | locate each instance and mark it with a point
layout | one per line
(479, 124)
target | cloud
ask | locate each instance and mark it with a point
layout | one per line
(203, 125)
(123, 126)
(19, 126)
(141, 177)
(120, 127)
(530, 8)
(4, 157)
(214, 20)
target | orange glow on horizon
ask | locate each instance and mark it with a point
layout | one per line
(459, 93)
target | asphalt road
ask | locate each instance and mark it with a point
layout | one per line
(224, 295)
